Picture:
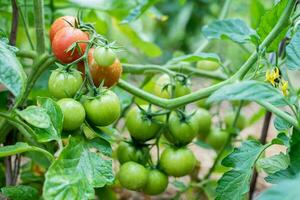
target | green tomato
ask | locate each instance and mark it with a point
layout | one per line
(157, 182)
(204, 122)
(229, 119)
(64, 84)
(104, 109)
(177, 162)
(217, 138)
(133, 176)
(203, 104)
(207, 65)
(128, 152)
(182, 131)
(73, 112)
(142, 127)
(164, 81)
(104, 56)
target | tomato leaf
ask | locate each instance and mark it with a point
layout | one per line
(234, 29)
(20, 192)
(19, 147)
(196, 57)
(257, 10)
(234, 184)
(292, 52)
(136, 12)
(281, 124)
(78, 169)
(35, 116)
(268, 21)
(12, 74)
(287, 189)
(248, 90)
(274, 163)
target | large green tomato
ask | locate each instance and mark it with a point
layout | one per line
(104, 56)
(142, 127)
(104, 109)
(182, 131)
(64, 84)
(240, 123)
(73, 112)
(177, 161)
(157, 182)
(207, 65)
(181, 89)
(217, 138)
(204, 122)
(133, 176)
(128, 152)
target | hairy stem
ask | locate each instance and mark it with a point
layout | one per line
(39, 25)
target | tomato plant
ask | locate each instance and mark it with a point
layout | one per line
(131, 99)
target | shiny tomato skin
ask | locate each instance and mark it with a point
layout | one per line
(133, 176)
(177, 162)
(63, 84)
(63, 39)
(73, 112)
(128, 152)
(104, 57)
(59, 23)
(217, 138)
(104, 109)
(157, 182)
(110, 75)
(204, 122)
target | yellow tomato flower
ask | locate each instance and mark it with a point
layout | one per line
(284, 86)
(271, 76)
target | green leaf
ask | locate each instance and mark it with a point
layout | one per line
(287, 189)
(268, 21)
(248, 90)
(35, 116)
(54, 112)
(282, 139)
(19, 147)
(149, 48)
(181, 186)
(281, 124)
(136, 12)
(12, 74)
(234, 184)
(234, 29)
(292, 52)
(294, 151)
(244, 157)
(78, 169)
(274, 163)
(196, 57)
(280, 175)
(20, 192)
(257, 10)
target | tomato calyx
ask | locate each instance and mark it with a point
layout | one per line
(149, 115)
(183, 116)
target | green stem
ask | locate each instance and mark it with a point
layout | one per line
(26, 54)
(39, 25)
(43, 151)
(141, 69)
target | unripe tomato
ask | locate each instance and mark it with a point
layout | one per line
(104, 109)
(240, 123)
(217, 138)
(207, 65)
(63, 39)
(157, 182)
(109, 75)
(182, 131)
(181, 89)
(177, 161)
(204, 122)
(73, 112)
(133, 176)
(142, 127)
(104, 56)
(60, 23)
(128, 152)
(64, 84)
(203, 104)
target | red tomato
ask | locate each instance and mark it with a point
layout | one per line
(110, 75)
(63, 39)
(60, 23)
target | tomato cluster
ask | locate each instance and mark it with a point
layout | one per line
(80, 100)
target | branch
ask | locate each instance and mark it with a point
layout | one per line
(14, 24)
(39, 25)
